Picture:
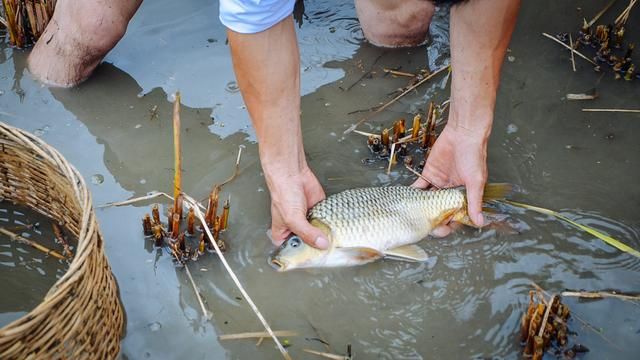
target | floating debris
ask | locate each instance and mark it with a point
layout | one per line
(589, 95)
(545, 325)
(399, 144)
(393, 101)
(61, 239)
(97, 179)
(21, 239)
(607, 43)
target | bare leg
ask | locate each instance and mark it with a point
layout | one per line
(77, 38)
(395, 23)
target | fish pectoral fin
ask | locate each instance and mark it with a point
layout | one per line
(357, 255)
(408, 253)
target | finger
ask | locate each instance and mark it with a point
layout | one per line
(279, 232)
(308, 233)
(314, 194)
(441, 231)
(475, 191)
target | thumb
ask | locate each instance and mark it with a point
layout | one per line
(308, 233)
(475, 191)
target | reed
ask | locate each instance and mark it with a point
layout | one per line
(26, 20)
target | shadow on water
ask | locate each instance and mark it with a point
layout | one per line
(137, 134)
(465, 303)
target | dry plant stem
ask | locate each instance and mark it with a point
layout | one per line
(391, 157)
(152, 195)
(325, 355)
(600, 295)
(568, 47)
(367, 73)
(575, 316)
(233, 276)
(57, 231)
(17, 238)
(598, 15)
(415, 129)
(256, 335)
(421, 177)
(175, 226)
(573, 58)
(236, 170)
(207, 314)
(406, 139)
(224, 220)
(170, 219)
(543, 324)
(622, 18)
(212, 206)
(380, 109)
(155, 212)
(191, 218)
(581, 96)
(385, 137)
(177, 156)
(613, 110)
(366, 133)
(398, 73)
(259, 342)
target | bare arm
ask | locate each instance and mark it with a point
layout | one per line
(267, 67)
(480, 33)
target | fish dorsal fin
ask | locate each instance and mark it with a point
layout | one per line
(347, 256)
(408, 253)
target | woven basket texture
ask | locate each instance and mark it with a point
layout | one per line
(81, 316)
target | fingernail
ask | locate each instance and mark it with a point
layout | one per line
(322, 243)
(479, 220)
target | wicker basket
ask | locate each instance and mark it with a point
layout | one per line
(81, 316)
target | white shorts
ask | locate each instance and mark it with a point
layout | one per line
(252, 16)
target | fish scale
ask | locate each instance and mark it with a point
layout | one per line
(385, 217)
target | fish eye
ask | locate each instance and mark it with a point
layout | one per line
(294, 241)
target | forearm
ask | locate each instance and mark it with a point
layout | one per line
(480, 33)
(267, 67)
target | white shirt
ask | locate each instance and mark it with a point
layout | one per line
(252, 16)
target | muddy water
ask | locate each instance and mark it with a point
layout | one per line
(115, 128)
(26, 274)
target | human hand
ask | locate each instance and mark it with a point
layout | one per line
(291, 196)
(459, 157)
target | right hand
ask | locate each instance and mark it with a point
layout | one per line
(291, 197)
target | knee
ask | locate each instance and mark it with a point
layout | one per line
(96, 25)
(395, 23)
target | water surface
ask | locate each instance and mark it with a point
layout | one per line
(466, 303)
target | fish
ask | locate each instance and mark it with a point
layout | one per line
(367, 224)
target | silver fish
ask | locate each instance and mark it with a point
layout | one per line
(366, 224)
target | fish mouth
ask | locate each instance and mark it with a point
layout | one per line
(278, 265)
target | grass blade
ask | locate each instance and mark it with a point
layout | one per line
(604, 237)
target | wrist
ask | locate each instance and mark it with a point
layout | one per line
(288, 166)
(471, 121)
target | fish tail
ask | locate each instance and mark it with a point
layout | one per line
(497, 191)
